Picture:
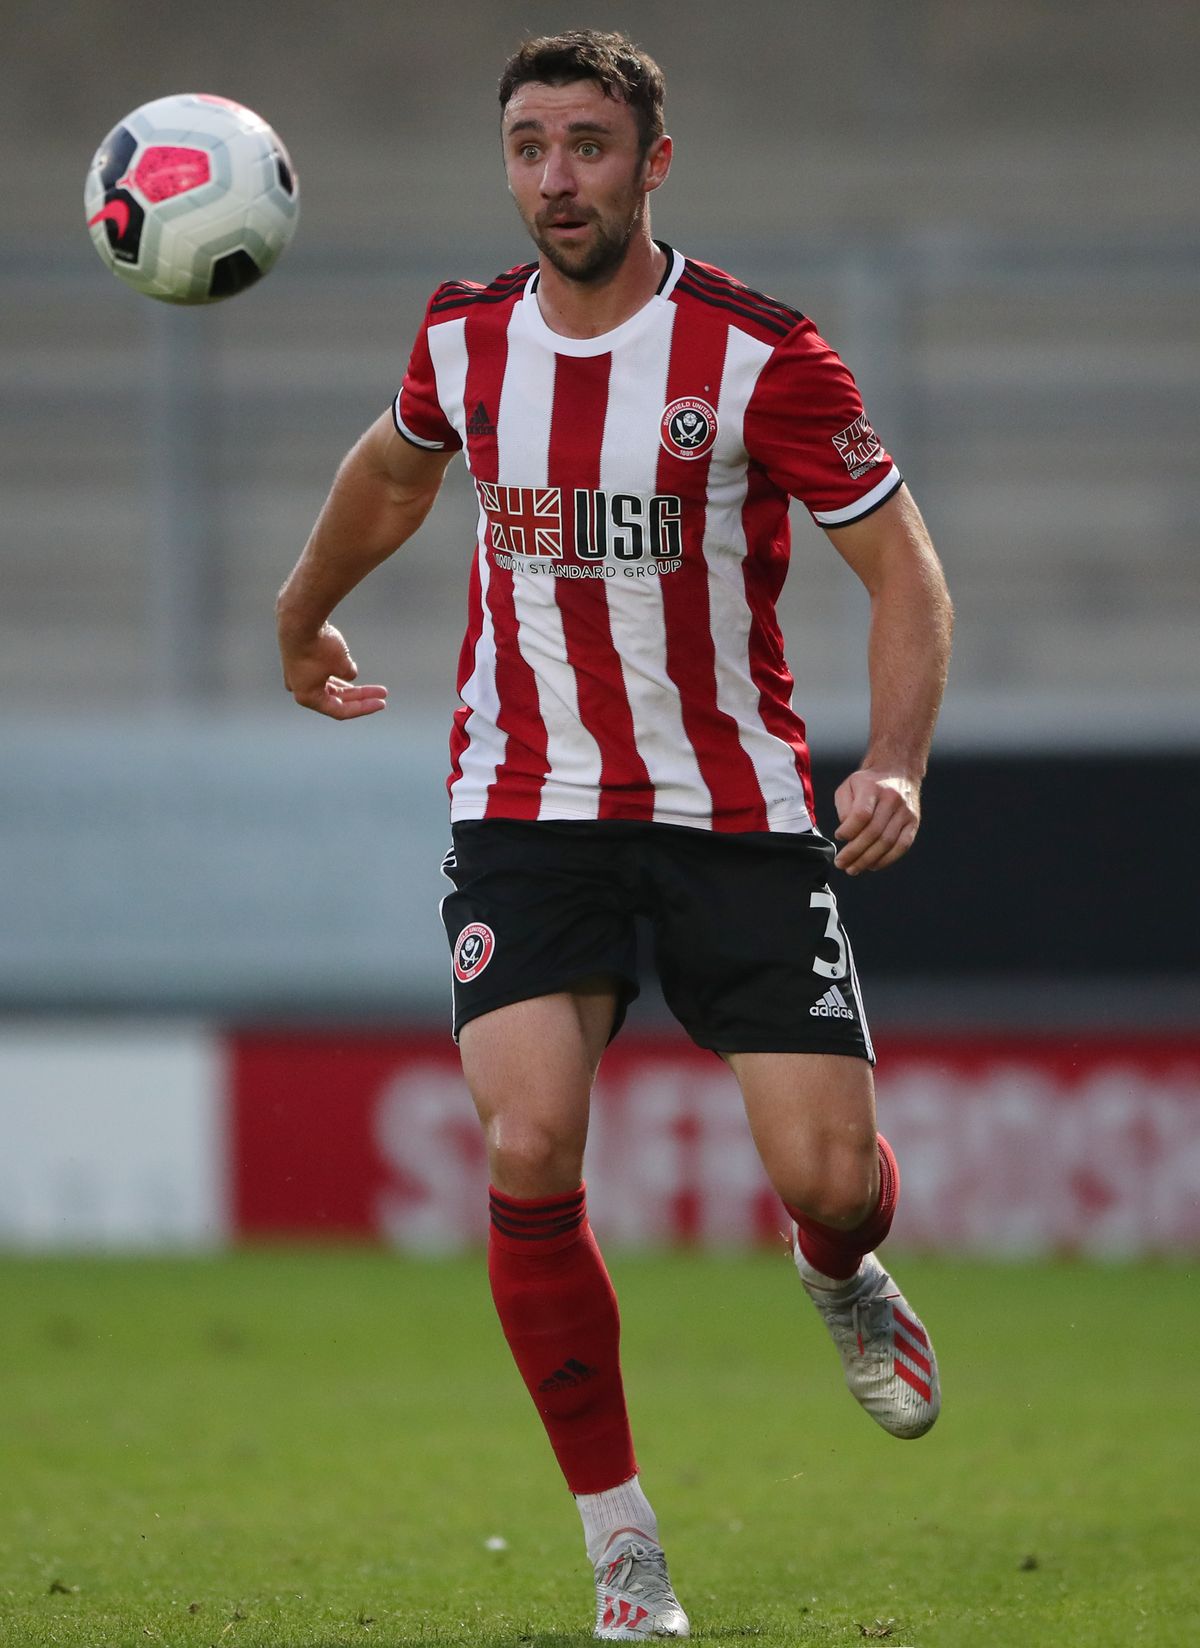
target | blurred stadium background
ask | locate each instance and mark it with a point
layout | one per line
(222, 977)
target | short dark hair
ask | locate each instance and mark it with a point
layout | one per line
(623, 71)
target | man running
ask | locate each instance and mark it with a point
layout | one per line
(635, 423)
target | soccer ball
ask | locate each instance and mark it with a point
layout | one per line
(191, 198)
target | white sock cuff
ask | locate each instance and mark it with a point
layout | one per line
(818, 1279)
(615, 1513)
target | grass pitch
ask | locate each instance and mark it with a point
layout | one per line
(314, 1449)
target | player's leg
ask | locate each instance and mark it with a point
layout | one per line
(756, 964)
(530, 1067)
(812, 1117)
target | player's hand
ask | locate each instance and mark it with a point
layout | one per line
(319, 673)
(880, 814)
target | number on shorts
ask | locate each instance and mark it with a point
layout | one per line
(830, 969)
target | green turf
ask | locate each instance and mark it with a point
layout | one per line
(305, 1450)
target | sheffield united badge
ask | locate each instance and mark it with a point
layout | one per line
(688, 428)
(474, 949)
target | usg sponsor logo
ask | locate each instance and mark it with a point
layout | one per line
(588, 534)
(628, 526)
(592, 526)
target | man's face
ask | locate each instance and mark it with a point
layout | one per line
(576, 174)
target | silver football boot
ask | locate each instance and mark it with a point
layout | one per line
(886, 1354)
(634, 1598)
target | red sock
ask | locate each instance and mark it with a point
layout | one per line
(559, 1314)
(838, 1253)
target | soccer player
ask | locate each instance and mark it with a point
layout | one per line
(634, 423)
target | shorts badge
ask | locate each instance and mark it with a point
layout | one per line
(474, 949)
(688, 428)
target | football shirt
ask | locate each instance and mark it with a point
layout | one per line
(622, 658)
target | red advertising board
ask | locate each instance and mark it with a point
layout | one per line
(1005, 1146)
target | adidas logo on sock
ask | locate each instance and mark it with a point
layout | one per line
(571, 1373)
(832, 1005)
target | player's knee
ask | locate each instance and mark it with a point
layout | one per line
(840, 1193)
(841, 1209)
(529, 1160)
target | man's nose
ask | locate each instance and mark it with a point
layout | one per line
(557, 177)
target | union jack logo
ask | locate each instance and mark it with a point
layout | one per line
(523, 520)
(858, 445)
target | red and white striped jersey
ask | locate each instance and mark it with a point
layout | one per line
(622, 658)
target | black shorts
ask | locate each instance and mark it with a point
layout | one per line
(749, 948)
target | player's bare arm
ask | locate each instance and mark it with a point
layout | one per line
(383, 491)
(879, 805)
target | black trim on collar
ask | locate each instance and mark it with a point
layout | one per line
(670, 251)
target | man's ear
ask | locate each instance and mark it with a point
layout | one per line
(657, 163)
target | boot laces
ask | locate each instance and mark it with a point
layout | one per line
(641, 1572)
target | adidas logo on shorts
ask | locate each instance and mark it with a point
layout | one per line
(832, 1005)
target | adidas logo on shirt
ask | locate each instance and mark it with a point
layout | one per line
(832, 1005)
(480, 422)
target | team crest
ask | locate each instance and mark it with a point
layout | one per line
(689, 428)
(474, 949)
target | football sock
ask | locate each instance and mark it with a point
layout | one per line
(558, 1310)
(612, 1517)
(832, 1256)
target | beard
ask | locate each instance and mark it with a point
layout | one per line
(600, 256)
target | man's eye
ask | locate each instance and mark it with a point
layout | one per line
(529, 151)
(587, 150)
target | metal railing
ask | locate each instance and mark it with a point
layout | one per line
(158, 467)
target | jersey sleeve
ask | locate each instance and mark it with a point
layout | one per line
(806, 426)
(416, 411)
